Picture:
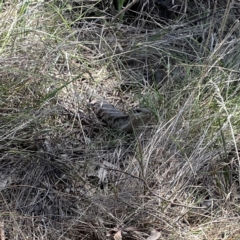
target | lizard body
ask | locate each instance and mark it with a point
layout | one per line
(118, 120)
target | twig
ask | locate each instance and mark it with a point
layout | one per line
(124, 10)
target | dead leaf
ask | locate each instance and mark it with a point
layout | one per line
(118, 235)
(155, 235)
(2, 232)
(102, 174)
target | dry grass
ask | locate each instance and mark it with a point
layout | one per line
(65, 175)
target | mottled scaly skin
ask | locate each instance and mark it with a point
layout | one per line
(118, 120)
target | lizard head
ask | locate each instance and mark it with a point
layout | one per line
(138, 117)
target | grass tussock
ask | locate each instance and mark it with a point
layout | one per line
(65, 175)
